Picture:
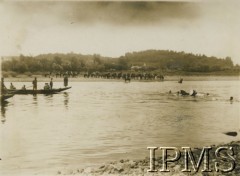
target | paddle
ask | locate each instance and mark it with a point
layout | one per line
(27, 87)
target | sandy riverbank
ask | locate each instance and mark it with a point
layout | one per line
(140, 167)
(82, 79)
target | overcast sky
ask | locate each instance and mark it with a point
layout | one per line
(114, 28)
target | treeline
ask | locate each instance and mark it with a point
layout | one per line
(150, 60)
(171, 60)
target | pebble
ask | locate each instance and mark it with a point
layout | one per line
(140, 167)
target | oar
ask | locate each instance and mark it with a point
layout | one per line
(28, 86)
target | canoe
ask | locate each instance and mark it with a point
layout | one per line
(41, 91)
(6, 96)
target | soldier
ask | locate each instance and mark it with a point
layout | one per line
(65, 80)
(34, 84)
(12, 87)
(51, 83)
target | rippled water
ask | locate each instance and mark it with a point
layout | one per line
(95, 122)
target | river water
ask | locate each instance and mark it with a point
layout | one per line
(97, 122)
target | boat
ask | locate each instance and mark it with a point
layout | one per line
(41, 91)
(6, 96)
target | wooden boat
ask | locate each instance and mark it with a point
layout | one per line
(6, 96)
(41, 91)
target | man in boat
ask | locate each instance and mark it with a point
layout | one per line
(65, 80)
(12, 87)
(46, 87)
(51, 83)
(24, 87)
(34, 84)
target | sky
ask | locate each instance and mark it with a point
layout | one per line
(114, 28)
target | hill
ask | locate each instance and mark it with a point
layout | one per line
(164, 61)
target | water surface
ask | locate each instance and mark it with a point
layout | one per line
(96, 122)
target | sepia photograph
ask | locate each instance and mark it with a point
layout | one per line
(120, 88)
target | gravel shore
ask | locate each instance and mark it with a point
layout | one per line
(140, 167)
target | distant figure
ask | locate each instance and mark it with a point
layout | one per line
(231, 99)
(180, 81)
(170, 92)
(34, 84)
(65, 80)
(12, 87)
(46, 87)
(161, 77)
(51, 83)
(24, 87)
(194, 93)
(127, 79)
(183, 92)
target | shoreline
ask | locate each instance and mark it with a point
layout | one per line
(140, 167)
(82, 79)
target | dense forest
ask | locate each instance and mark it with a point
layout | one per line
(163, 61)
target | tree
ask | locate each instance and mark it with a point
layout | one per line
(122, 64)
(97, 59)
(57, 60)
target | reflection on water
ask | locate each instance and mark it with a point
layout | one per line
(48, 98)
(66, 99)
(35, 102)
(3, 111)
(95, 122)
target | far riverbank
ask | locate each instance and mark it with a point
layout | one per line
(23, 78)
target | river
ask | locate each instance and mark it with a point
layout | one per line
(97, 122)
